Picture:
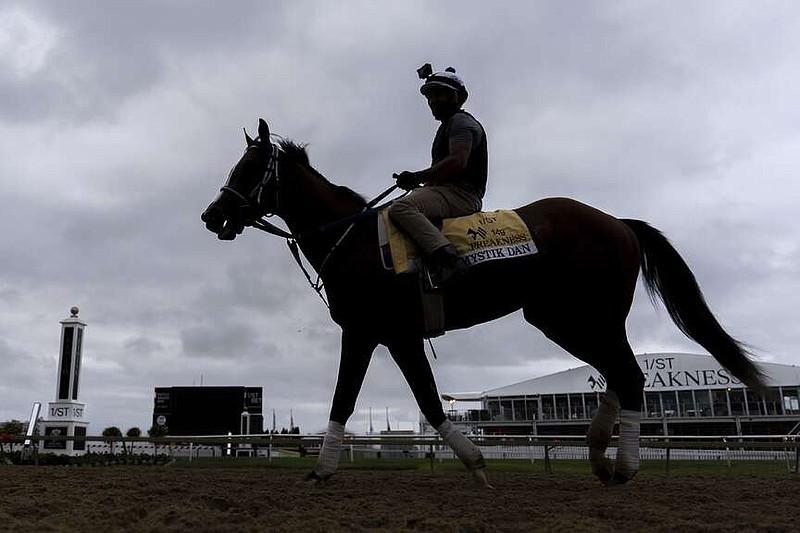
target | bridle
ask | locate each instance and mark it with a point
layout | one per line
(252, 205)
(253, 200)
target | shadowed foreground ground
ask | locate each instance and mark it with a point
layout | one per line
(258, 499)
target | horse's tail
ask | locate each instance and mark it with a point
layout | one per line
(668, 277)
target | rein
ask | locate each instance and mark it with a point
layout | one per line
(291, 238)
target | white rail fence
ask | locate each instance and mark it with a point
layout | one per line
(731, 449)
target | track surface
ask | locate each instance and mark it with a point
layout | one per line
(254, 499)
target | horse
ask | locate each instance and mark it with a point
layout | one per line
(577, 290)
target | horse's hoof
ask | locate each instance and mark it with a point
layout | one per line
(618, 479)
(480, 478)
(603, 469)
(312, 479)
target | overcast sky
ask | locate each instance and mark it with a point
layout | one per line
(120, 120)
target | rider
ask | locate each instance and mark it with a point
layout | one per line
(455, 182)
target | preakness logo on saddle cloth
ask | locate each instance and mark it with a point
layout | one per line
(485, 236)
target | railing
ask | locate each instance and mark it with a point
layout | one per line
(472, 416)
(730, 448)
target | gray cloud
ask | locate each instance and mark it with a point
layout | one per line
(119, 122)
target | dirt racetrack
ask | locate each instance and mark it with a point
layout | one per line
(258, 499)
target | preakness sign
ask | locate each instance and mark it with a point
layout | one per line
(664, 372)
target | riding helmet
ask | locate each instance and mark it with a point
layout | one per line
(448, 78)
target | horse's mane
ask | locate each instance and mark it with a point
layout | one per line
(296, 153)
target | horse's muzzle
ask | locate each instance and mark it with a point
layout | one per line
(216, 222)
(213, 219)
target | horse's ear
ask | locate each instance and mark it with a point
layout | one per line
(250, 141)
(263, 130)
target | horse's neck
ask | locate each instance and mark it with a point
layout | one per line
(311, 204)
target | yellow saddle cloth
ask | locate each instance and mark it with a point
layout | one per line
(481, 237)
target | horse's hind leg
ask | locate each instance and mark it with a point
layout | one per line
(623, 396)
(599, 436)
(627, 379)
(605, 347)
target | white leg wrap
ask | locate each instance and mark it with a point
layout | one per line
(628, 451)
(469, 454)
(331, 450)
(599, 434)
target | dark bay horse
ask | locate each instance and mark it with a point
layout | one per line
(578, 291)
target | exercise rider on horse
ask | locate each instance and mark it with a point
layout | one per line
(455, 182)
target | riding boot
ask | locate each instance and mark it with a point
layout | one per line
(446, 264)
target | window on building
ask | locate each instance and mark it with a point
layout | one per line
(653, 404)
(532, 408)
(719, 402)
(736, 397)
(686, 403)
(773, 400)
(576, 406)
(562, 409)
(590, 400)
(506, 409)
(791, 401)
(669, 399)
(702, 399)
(548, 407)
(754, 404)
(494, 409)
(519, 409)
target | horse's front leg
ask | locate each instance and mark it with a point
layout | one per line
(409, 353)
(357, 348)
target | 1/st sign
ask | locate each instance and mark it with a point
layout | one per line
(65, 412)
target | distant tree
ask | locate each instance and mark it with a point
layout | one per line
(9, 429)
(295, 430)
(133, 432)
(113, 432)
(157, 431)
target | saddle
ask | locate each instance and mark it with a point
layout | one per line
(478, 238)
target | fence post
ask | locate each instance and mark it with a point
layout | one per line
(530, 448)
(668, 449)
(547, 467)
(796, 457)
(431, 454)
(727, 451)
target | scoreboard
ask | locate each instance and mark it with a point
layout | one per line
(207, 410)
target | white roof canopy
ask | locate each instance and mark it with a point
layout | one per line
(663, 371)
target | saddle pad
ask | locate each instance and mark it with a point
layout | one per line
(481, 237)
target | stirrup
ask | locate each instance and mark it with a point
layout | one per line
(436, 277)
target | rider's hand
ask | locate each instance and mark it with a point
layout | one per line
(408, 180)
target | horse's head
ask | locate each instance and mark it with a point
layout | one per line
(251, 189)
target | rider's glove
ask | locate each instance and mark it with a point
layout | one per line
(408, 180)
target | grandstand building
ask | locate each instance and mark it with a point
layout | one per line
(684, 394)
